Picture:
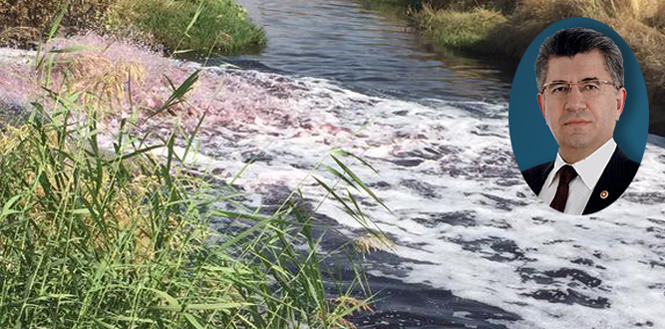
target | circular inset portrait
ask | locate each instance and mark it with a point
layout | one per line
(578, 116)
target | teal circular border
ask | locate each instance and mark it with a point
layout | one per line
(530, 136)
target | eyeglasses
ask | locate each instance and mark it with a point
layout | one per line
(587, 88)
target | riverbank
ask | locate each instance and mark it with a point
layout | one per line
(502, 30)
(202, 28)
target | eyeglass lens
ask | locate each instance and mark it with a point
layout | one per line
(589, 87)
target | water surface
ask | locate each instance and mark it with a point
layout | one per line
(365, 51)
(474, 248)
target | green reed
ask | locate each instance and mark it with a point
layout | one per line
(117, 237)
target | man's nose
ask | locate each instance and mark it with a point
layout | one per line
(575, 100)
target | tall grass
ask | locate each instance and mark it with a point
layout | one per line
(96, 231)
(114, 239)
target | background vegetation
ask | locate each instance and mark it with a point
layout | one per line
(504, 29)
(219, 27)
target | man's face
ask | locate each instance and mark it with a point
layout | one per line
(580, 121)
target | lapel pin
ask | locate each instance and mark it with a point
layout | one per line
(604, 194)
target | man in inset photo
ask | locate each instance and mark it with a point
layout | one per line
(581, 96)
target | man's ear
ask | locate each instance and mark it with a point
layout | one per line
(621, 101)
(541, 104)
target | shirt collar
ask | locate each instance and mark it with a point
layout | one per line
(588, 168)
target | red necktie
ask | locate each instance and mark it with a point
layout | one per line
(566, 174)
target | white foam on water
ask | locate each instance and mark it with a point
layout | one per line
(463, 218)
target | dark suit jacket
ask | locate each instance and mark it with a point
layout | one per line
(616, 177)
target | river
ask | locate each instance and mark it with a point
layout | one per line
(378, 55)
(474, 248)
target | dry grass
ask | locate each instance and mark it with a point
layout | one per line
(372, 242)
(648, 44)
(641, 23)
(657, 18)
(348, 302)
(636, 20)
(100, 76)
(22, 22)
(123, 203)
(532, 16)
(611, 12)
(504, 6)
(637, 9)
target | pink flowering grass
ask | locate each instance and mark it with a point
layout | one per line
(16, 89)
(121, 77)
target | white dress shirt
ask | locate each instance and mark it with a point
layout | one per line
(588, 171)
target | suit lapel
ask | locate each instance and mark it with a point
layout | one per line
(617, 175)
(537, 176)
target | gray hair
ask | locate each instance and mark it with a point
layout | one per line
(570, 42)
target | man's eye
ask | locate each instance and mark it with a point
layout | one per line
(591, 86)
(559, 89)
